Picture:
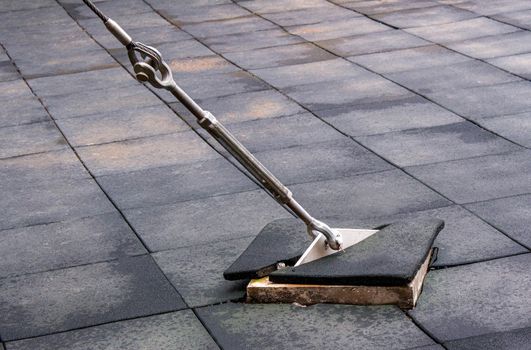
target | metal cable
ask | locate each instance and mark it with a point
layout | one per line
(96, 10)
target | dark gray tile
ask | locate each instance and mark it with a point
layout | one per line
(258, 6)
(44, 62)
(478, 179)
(453, 77)
(409, 59)
(495, 7)
(14, 89)
(24, 204)
(197, 272)
(244, 24)
(248, 106)
(68, 243)
(517, 64)
(103, 79)
(279, 56)
(364, 89)
(96, 101)
(321, 161)
(516, 340)
(393, 256)
(33, 35)
(310, 15)
(516, 127)
(375, 7)
(204, 65)
(464, 239)
(121, 125)
(172, 184)
(337, 28)
(26, 5)
(200, 13)
(248, 326)
(30, 138)
(462, 30)
(31, 17)
(205, 220)
(153, 332)
(152, 34)
(436, 144)
(112, 9)
(7, 69)
(371, 43)
(156, 151)
(467, 301)
(61, 300)
(22, 111)
(215, 85)
(34, 168)
(486, 101)
(511, 215)
(495, 46)
(368, 195)
(246, 41)
(314, 72)
(424, 16)
(429, 347)
(517, 18)
(275, 133)
(394, 115)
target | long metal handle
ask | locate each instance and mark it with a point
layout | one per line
(149, 66)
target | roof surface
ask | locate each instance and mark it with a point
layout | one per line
(118, 219)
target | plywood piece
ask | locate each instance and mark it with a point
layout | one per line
(264, 291)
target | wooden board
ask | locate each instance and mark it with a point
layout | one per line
(263, 291)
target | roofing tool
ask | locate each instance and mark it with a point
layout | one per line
(149, 67)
